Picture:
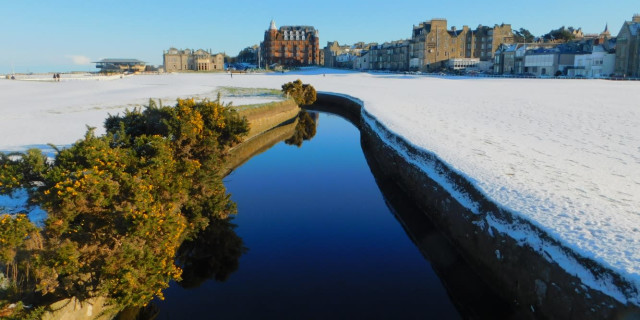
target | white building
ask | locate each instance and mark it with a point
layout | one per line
(541, 64)
(599, 63)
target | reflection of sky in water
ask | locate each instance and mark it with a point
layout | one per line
(322, 243)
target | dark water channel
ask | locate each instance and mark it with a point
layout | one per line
(316, 238)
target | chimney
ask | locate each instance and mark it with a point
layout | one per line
(636, 18)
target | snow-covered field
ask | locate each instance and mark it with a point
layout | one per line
(36, 113)
(563, 154)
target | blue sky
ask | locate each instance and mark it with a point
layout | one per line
(65, 35)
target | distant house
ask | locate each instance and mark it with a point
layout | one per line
(362, 62)
(597, 63)
(627, 51)
(345, 56)
(509, 59)
(190, 60)
(120, 65)
(591, 57)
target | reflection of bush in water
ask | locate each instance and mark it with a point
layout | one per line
(305, 129)
(213, 254)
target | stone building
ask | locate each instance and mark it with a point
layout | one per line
(291, 45)
(189, 60)
(344, 56)
(362, 62)
(628, 49)
(331, 51)
(393, 56)
(432, 43)
(483, 42)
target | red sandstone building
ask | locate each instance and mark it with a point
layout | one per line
(291, 46)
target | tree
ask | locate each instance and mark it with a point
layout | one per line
(303, 94)
(248, 55)
(560, 34)
(523, 35)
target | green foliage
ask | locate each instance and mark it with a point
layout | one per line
(561, 34)
(19, 241)
(21, 170)
(18, 311)
(303, 94)
(14, 230)
(120, 205)
(523, 35)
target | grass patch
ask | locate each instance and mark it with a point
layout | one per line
(248, 92)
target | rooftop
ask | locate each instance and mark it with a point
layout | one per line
(121, 61)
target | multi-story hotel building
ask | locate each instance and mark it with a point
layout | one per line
(291, 45)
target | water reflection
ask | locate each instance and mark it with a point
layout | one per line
(213, 254)
(305, 129)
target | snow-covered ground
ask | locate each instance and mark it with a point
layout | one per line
(563, 154)
(33, 114)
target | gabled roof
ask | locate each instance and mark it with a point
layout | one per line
(634, 28)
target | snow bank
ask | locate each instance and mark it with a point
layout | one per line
(562, 154)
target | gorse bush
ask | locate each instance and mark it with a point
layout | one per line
(120, 205)
(303, 94)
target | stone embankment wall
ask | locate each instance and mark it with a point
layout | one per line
(269, 124)
(73, 309)
(267, 116)
(517, 272)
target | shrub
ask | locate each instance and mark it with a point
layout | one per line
(120, 205)
(303, 94)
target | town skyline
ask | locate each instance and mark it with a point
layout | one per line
(73, 33)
